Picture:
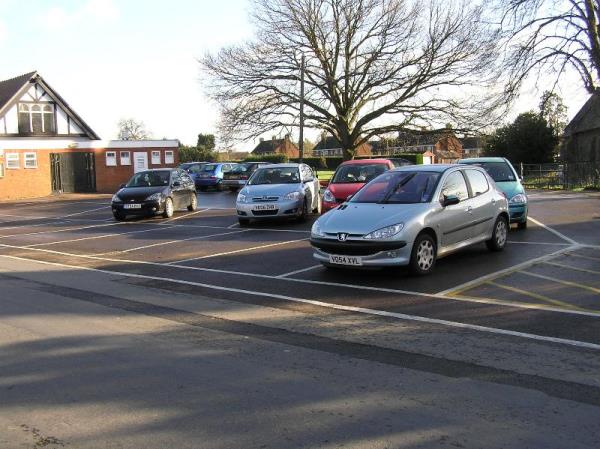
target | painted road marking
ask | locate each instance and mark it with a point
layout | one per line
(560, 281)
(116, 234)
(570, 267)
(185, 215)
(582, 256)
(362, 310)
(457, 290)
(542, 298)
(291, 273)
(154, 245)
(553, 231)
(536, 243)
(191, 259)
(469, 299)
(61, 230)
(84, 212)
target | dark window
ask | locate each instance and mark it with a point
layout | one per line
(150, 179)
(399, 187)
(357, 173)
(455, 185)
(24, 119)
(48, 119)
(478, 182)
(36, 119)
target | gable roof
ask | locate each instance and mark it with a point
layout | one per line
(267, 146)
(12, 89)
(587, 118)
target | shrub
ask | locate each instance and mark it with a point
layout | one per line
(273, 158)
(317, 163)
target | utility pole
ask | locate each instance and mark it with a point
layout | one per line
(301, 143)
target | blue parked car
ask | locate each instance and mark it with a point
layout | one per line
(211, 175)
(507, 180)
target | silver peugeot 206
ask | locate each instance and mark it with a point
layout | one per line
(279, 191)
(411, 216)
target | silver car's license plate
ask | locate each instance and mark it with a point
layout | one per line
(265, 207)
(346, 260)
(132, 206)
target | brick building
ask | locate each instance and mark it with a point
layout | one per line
(330, 146)
(46, 147)
(277, 146)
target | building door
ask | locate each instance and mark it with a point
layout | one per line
(73, 172)
(140, 161)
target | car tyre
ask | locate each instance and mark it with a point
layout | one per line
(168, 212)
(304, 213)
(233, 189)
(522, 225)
(499, 236)
(193, 203)
(219, 187)
(119, 216)
(317, 210)
(423, 255)
(243, 221)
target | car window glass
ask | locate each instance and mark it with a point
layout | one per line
(455, 185)
(357, 173)
(150, 179)
(478, 182)
(278, 175)
(399, 188)
(499, 171)
(195, 168)
(208, 167)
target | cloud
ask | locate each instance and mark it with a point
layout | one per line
(90, 12)
(3, 33)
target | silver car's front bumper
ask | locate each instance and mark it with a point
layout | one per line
(281, 208)
(370, 254)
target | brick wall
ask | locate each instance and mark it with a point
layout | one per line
(25, 183)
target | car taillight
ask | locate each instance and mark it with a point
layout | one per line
(213, 177)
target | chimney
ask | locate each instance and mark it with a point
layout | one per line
(273, 138)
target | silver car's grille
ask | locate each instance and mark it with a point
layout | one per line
(264, 199)
(350, 236)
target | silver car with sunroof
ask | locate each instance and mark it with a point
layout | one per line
(412, 216)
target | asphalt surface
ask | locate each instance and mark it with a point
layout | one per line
(256, 345)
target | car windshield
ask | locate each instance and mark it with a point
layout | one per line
(241, 168)
(499, 171)
(278, 175)
(209, 167)
(150, 179)
(353, 173)
(404, 187)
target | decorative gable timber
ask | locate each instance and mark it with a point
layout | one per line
(31, 87)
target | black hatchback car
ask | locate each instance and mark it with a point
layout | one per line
(153, 192)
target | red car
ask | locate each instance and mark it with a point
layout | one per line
(349, 177)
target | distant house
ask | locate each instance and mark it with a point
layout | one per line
(472, 146)
(277, 146)
(330, 146)
(437, 148)
(582, 135)
(46, 147)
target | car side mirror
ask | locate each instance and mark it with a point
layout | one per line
(122, 186)
(176, 184)
(450, 200)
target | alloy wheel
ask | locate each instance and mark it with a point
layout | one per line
(425, 255)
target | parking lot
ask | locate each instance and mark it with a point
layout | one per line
(548, 276)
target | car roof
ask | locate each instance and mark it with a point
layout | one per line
(159, 169)
(289, 165)
(439, 168)
(366, 161)
(475, 160)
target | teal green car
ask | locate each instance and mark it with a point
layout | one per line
(507, 180)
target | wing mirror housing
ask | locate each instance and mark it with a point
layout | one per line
(450, 200)
(122, 186)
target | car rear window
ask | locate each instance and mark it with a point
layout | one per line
(241, 168)
(407, 187)
(150, 179)
(353, 173)
(498, 171)
(209, 167)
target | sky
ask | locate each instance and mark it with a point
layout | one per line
(112, 59)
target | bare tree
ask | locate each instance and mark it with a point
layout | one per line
(553, 37)
(131, 129)
(372, 67)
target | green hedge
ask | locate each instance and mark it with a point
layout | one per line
(273, 158)
(318, 163)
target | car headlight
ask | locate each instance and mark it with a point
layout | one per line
(385, 233)
(316, 230)
(241, 198)
(116, 199)
(519, 198)
(155, 197)
(292, 196)
(328, 196)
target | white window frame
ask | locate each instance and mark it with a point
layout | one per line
(10, 158)
(169, 157)
(1, 169)
(155, 159)
(127, 159)
(111, 158)
(27, 158)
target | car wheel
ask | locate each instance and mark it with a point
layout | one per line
(219, 187)
(168, 213)
(203, 188)
(193, 204)
(233, 189)
(317, 210)
(423, 255)
(119, 216)
(304, 213)
(499, 236)
(243, 221)
(522, 225)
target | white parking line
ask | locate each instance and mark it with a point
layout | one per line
(61, 230)
(179, 217)
(553, 231)
(47, 223)
(116, 234)
(236, 251)
(400, 316)
(537, 243)
(154, 245)
(570, 267)
(488, 301)
(582, 256)
(83, 212)
(291, 273)
(560, 281)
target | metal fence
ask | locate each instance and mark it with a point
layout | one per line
(568, 175)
